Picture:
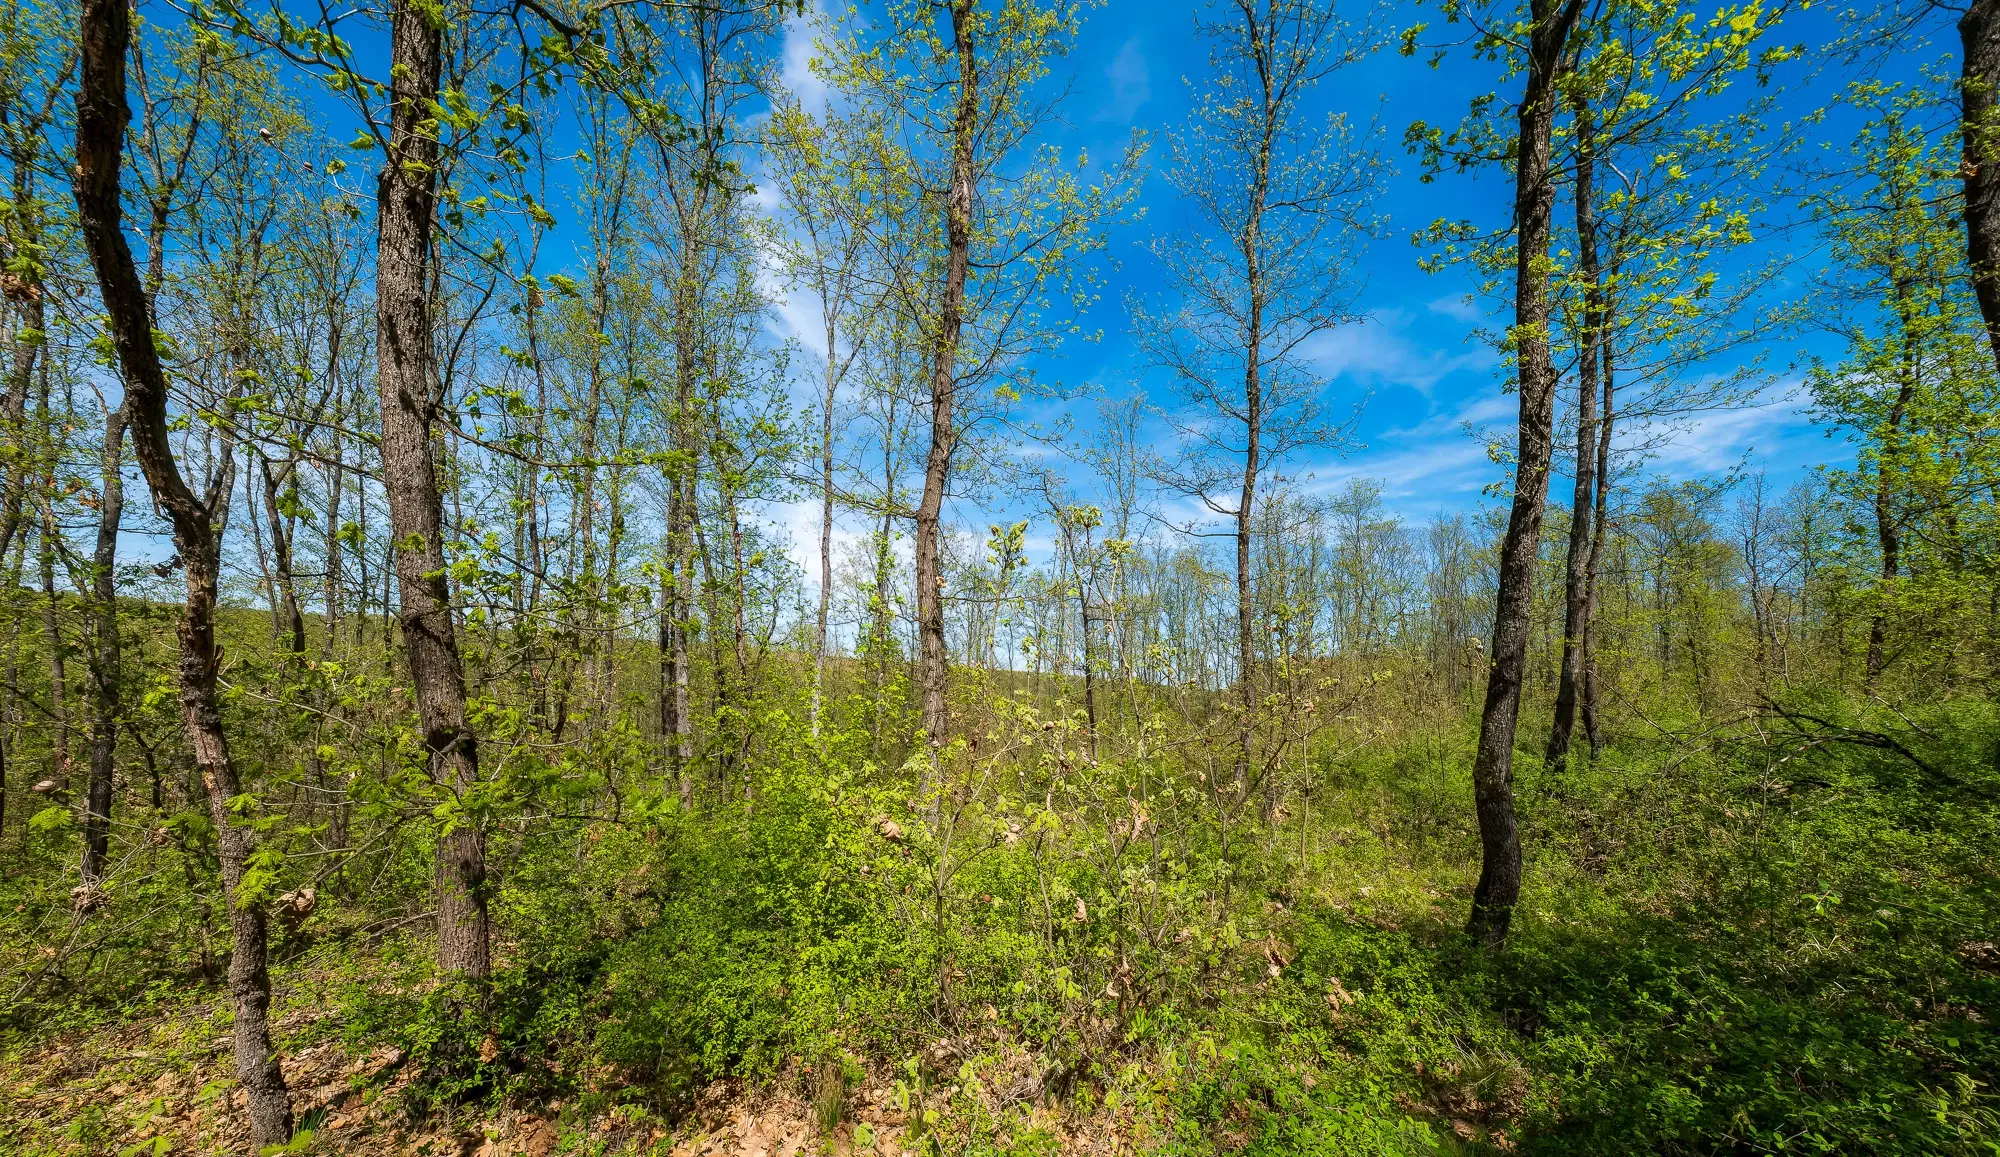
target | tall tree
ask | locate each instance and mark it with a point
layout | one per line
(1547, 33)
(1280, 199)
(1003, 240)
(1589, 359)
(101, 119)
(1979, 124)
(406, 207)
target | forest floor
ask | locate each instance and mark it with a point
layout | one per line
(162, 1085)
(1718, 951)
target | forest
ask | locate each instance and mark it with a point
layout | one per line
(767, 578)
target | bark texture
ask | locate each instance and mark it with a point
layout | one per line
(1577, 563)
(101, 117)
(406, 201)
(931, 655)
(1534, 203)
(104, 656)
(1979, 35)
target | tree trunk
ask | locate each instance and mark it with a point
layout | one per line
(101, 117)
(931, 672)
(104, 662)
(289, 612)
(1534, 202)
(1587, 645)
(1888, 529)
(1582, 498)
(405, 201)
(1089, 659)
(825, 528)
(1251, 243)
(1979, 34)
(59, 755)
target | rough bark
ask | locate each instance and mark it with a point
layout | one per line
(1499, 884)
(1582, 497)
(931, 655)
(1979, 35)
(405, 207)
(104, 657)
(101, 117)
(1607, 418)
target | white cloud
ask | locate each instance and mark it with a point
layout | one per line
(1457, 307)
(796, 71)
(1131, 81)
(1717, 440)
(1379, 352)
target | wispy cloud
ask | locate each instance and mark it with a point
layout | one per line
(1131, 81)
(1458, 307)
(1382, 351)
(796, 71)
(1775, 431)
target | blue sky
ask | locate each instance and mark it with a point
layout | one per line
(1416, 363)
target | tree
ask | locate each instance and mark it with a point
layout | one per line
(1280, 200)
(827, 212)
(1979, 109)
(1547, 34)
(101, 118)
(1913, 391)
(963, 103)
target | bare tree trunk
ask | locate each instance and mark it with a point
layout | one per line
(825, 527)
(101, 117)
(1253, 402)
(289, 611)
(30, 314)
(1888, 528)
(1251, 242)
(52, 640)
(104, 662)
(1089, 661)
(1587, 644)
(1534, 202)
(405, 202)
(1582, 498)
(1979, 34)
(931, 658)
(14, 413)
(331, 580)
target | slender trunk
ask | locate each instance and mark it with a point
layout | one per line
(931, 659)
(1251, 243)
(1584, 495)
(825, 527)
(1534, 202)
(101, 117)
(1979, 34)
(26, 336)
(1587, 645)
(330, 537)
(104, 663)
(52, 641)
(14, 413)
(1888, 529)
(405, 201)
(680, 522)
(289, 612)
(1089, 659)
